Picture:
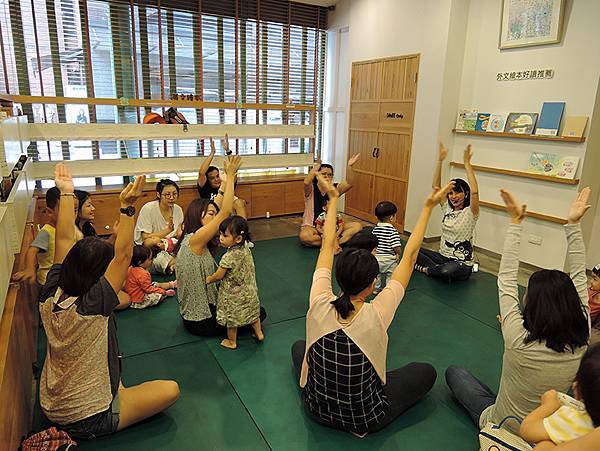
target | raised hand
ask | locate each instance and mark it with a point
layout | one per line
(225, 143)
(438, 195)
(63, 179)
(467, 155)
(442, 152)
(213, 149)
(326, 186)
(513, 208)
(579, 206)
(132, 191)
(232, 165)
(316, 166)
(353, 160)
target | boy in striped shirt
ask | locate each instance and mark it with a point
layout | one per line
(389, 245)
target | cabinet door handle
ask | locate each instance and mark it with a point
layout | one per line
(374, 151)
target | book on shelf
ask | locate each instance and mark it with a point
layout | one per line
(553, 165)
(574, 126)
(483, 120)
(549, 120)
(464, 119)
(497, 122)
(521, 123)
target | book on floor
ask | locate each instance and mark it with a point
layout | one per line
(497, 122)
(483, 119)
(521, 123)
(553, 165)
(574, 126)
(549, 121)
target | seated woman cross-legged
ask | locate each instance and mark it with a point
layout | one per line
(341, 365)
(544, 343)
(80, 385)
(315, 199)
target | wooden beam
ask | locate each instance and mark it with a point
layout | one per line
(531, 214)
(99, 168)
(523, 174)
(154, 103)
(571, 139)
(133, 132)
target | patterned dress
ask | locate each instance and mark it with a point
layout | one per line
(238, 304)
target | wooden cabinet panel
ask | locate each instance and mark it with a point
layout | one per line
(394, 155)
(360, 197)
(366, 81)
(396, 117)
(363, 143)
(245, 192)
(268, 197)
(107, 211)
(394, 74)
(364, 116)
(393, 191)
(410, 82)
(186, 196)
(294, 197)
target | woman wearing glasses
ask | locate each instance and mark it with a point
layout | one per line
(161, 218)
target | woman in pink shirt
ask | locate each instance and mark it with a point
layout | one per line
(341, 365)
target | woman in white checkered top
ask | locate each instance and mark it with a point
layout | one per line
(341, 365)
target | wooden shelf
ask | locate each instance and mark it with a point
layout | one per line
(523, 174)
(567, 139)
(531, 214)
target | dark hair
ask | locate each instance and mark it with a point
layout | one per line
(210, 169)
(363, 240)
(91, 254)
(52, 197)
(554, 312)
(326, 165)
(163, 183)
(587, 378)
(237, 226)
(82, 196)
(140, 255)
(596, 270)
(192, 220)
(385, 209)
(355, 270)
(460, 186)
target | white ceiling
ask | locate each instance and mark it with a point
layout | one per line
(318, 2)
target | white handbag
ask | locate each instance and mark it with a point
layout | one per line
(493, 438)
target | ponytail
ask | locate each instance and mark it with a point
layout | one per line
(343, 305)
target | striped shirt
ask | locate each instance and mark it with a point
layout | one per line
(568, 423)
(388, 238)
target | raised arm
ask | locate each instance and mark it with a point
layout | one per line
(325, 259)
(205, 164)
(116, 273)
(575, 246)
(437, 172)
(589, 442)
(65, 232)
(474, 205)
(508, 291)
(204, 234)
(308, 180)
(404, 270)
(347, 184)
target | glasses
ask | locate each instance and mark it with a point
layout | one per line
(170, 195)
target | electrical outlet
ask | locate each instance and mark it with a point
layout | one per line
(535, 239)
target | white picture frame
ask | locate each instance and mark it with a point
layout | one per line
(526, 23)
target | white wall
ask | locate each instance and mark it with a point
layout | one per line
(458, 43)
(576, 61)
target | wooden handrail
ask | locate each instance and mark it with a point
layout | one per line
(523, 174)
(531, 214)
(569, 139)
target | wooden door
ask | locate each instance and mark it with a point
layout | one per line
(382, 107)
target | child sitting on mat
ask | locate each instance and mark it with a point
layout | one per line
(339, 226)
(237, 302)
(145, 293)
(389, 244)
(162, 251)
(561, 418)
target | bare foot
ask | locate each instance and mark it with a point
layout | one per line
(227, 343)
(260, 336)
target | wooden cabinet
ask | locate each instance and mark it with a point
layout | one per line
(382, 107)
(294, 197)
(267, 197)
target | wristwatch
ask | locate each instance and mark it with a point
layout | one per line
(129, 211)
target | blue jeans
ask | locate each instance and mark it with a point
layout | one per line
(469, 391)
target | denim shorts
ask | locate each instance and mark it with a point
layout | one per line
(102, 423)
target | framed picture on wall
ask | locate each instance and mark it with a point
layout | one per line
(530, 22)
